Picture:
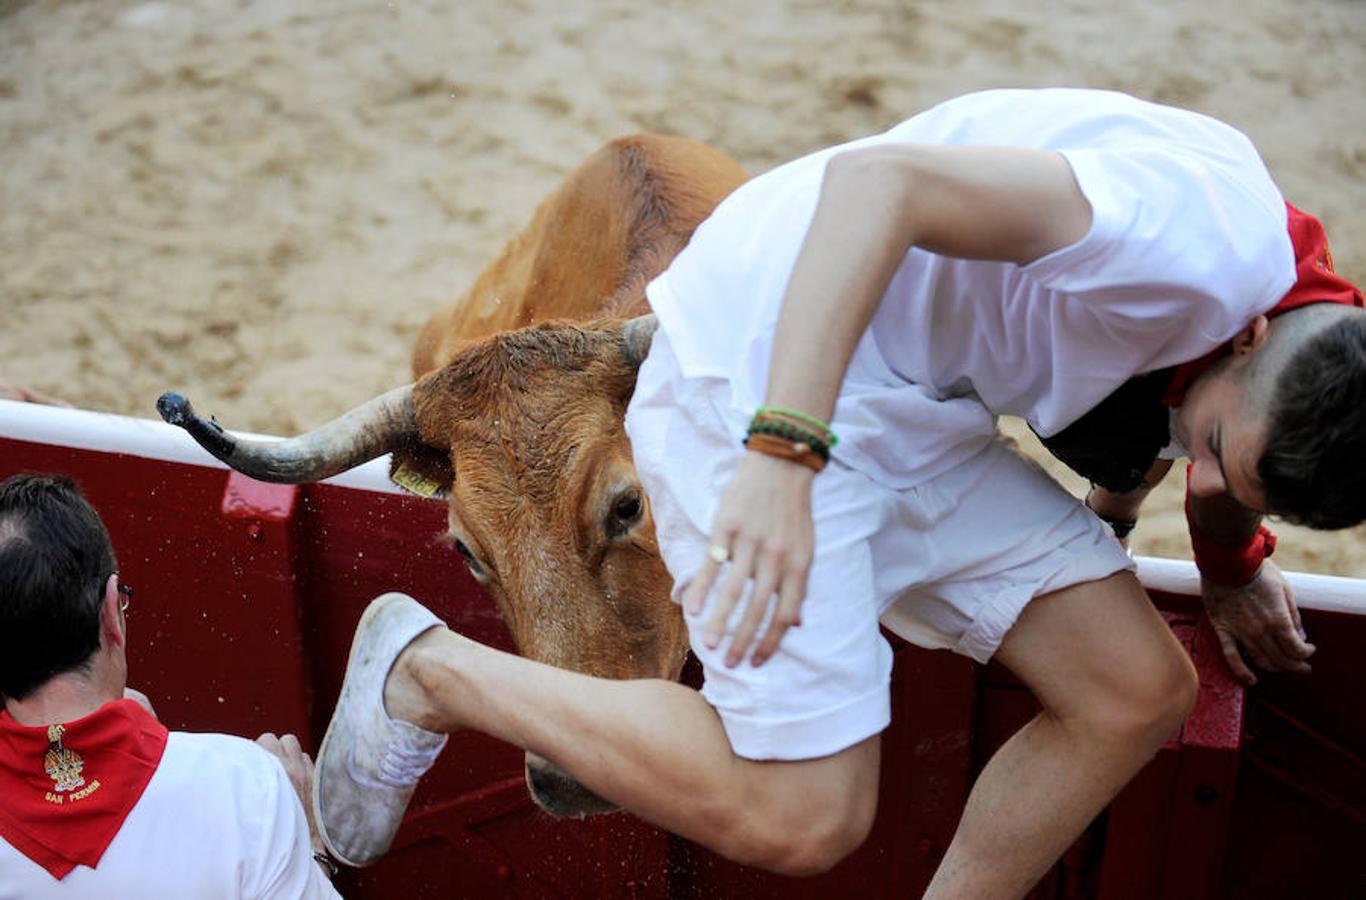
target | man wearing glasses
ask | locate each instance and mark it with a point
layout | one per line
(100, 800)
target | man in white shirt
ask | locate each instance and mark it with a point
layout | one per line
(1079, 258)
(100, 799)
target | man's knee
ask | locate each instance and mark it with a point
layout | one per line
(1100, 658)
(1147, 703)
(815, 843)
(806, 830)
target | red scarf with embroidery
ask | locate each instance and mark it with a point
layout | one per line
(69, 787)
(1315, 282)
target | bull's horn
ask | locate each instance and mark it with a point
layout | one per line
(370, 430)
(636, 335)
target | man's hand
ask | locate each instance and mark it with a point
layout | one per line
(763, 526)
(299, 767)
(1261, 616)
(28, 395)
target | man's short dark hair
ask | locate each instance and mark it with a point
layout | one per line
(55, 557)
(1314, 466)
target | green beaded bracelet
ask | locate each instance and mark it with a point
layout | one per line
(828, 436)
(793, 433)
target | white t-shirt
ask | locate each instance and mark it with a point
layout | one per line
(219, 819)
(1188, 243)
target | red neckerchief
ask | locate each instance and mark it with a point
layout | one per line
(68, 787)
(1315, 282)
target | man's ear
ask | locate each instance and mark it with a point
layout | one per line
(113, 632)
(1251, 338)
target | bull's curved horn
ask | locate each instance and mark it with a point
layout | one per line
(636, 335)
(370, 430)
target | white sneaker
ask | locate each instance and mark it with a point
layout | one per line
(369, 764)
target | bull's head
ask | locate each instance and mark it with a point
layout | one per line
(523, 431)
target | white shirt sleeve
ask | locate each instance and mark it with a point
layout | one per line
(284, 865)
(1190, 240)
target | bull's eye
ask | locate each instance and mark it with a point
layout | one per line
(470, 561)
(627, 508)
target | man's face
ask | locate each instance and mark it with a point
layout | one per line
(1224, 435)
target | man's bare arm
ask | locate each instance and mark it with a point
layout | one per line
(28, 395)
(1007, 204)
(998, 203)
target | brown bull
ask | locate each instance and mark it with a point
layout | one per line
(516, 416)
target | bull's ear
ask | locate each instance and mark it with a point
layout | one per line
(422, 469)
(636, 335)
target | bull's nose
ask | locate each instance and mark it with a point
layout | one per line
(558, 794)
(541, 780)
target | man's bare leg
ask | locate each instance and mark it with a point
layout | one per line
(653, 747)
(1114, 684)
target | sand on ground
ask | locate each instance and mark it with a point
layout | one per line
(259, 203)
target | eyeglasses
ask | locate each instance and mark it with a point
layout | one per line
(127, 591)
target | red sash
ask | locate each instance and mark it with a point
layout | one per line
(69, 787)
(1315, 282)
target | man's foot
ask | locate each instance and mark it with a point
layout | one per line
(369, 763)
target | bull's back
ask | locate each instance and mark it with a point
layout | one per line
(592, 246)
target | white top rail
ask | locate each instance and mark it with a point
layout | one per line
(150, 439)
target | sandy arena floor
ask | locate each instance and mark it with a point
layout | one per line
(259, 202)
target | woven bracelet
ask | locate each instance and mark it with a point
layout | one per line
(795, 434)
(793, 451)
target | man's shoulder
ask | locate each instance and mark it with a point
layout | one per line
(207, 778)
(210, 743)
(223, 758)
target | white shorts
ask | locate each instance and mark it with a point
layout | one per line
(949, 564)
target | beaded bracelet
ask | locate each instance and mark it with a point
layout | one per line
(792, 433)
(813, 425)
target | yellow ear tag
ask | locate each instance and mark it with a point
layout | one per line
(414, 482)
